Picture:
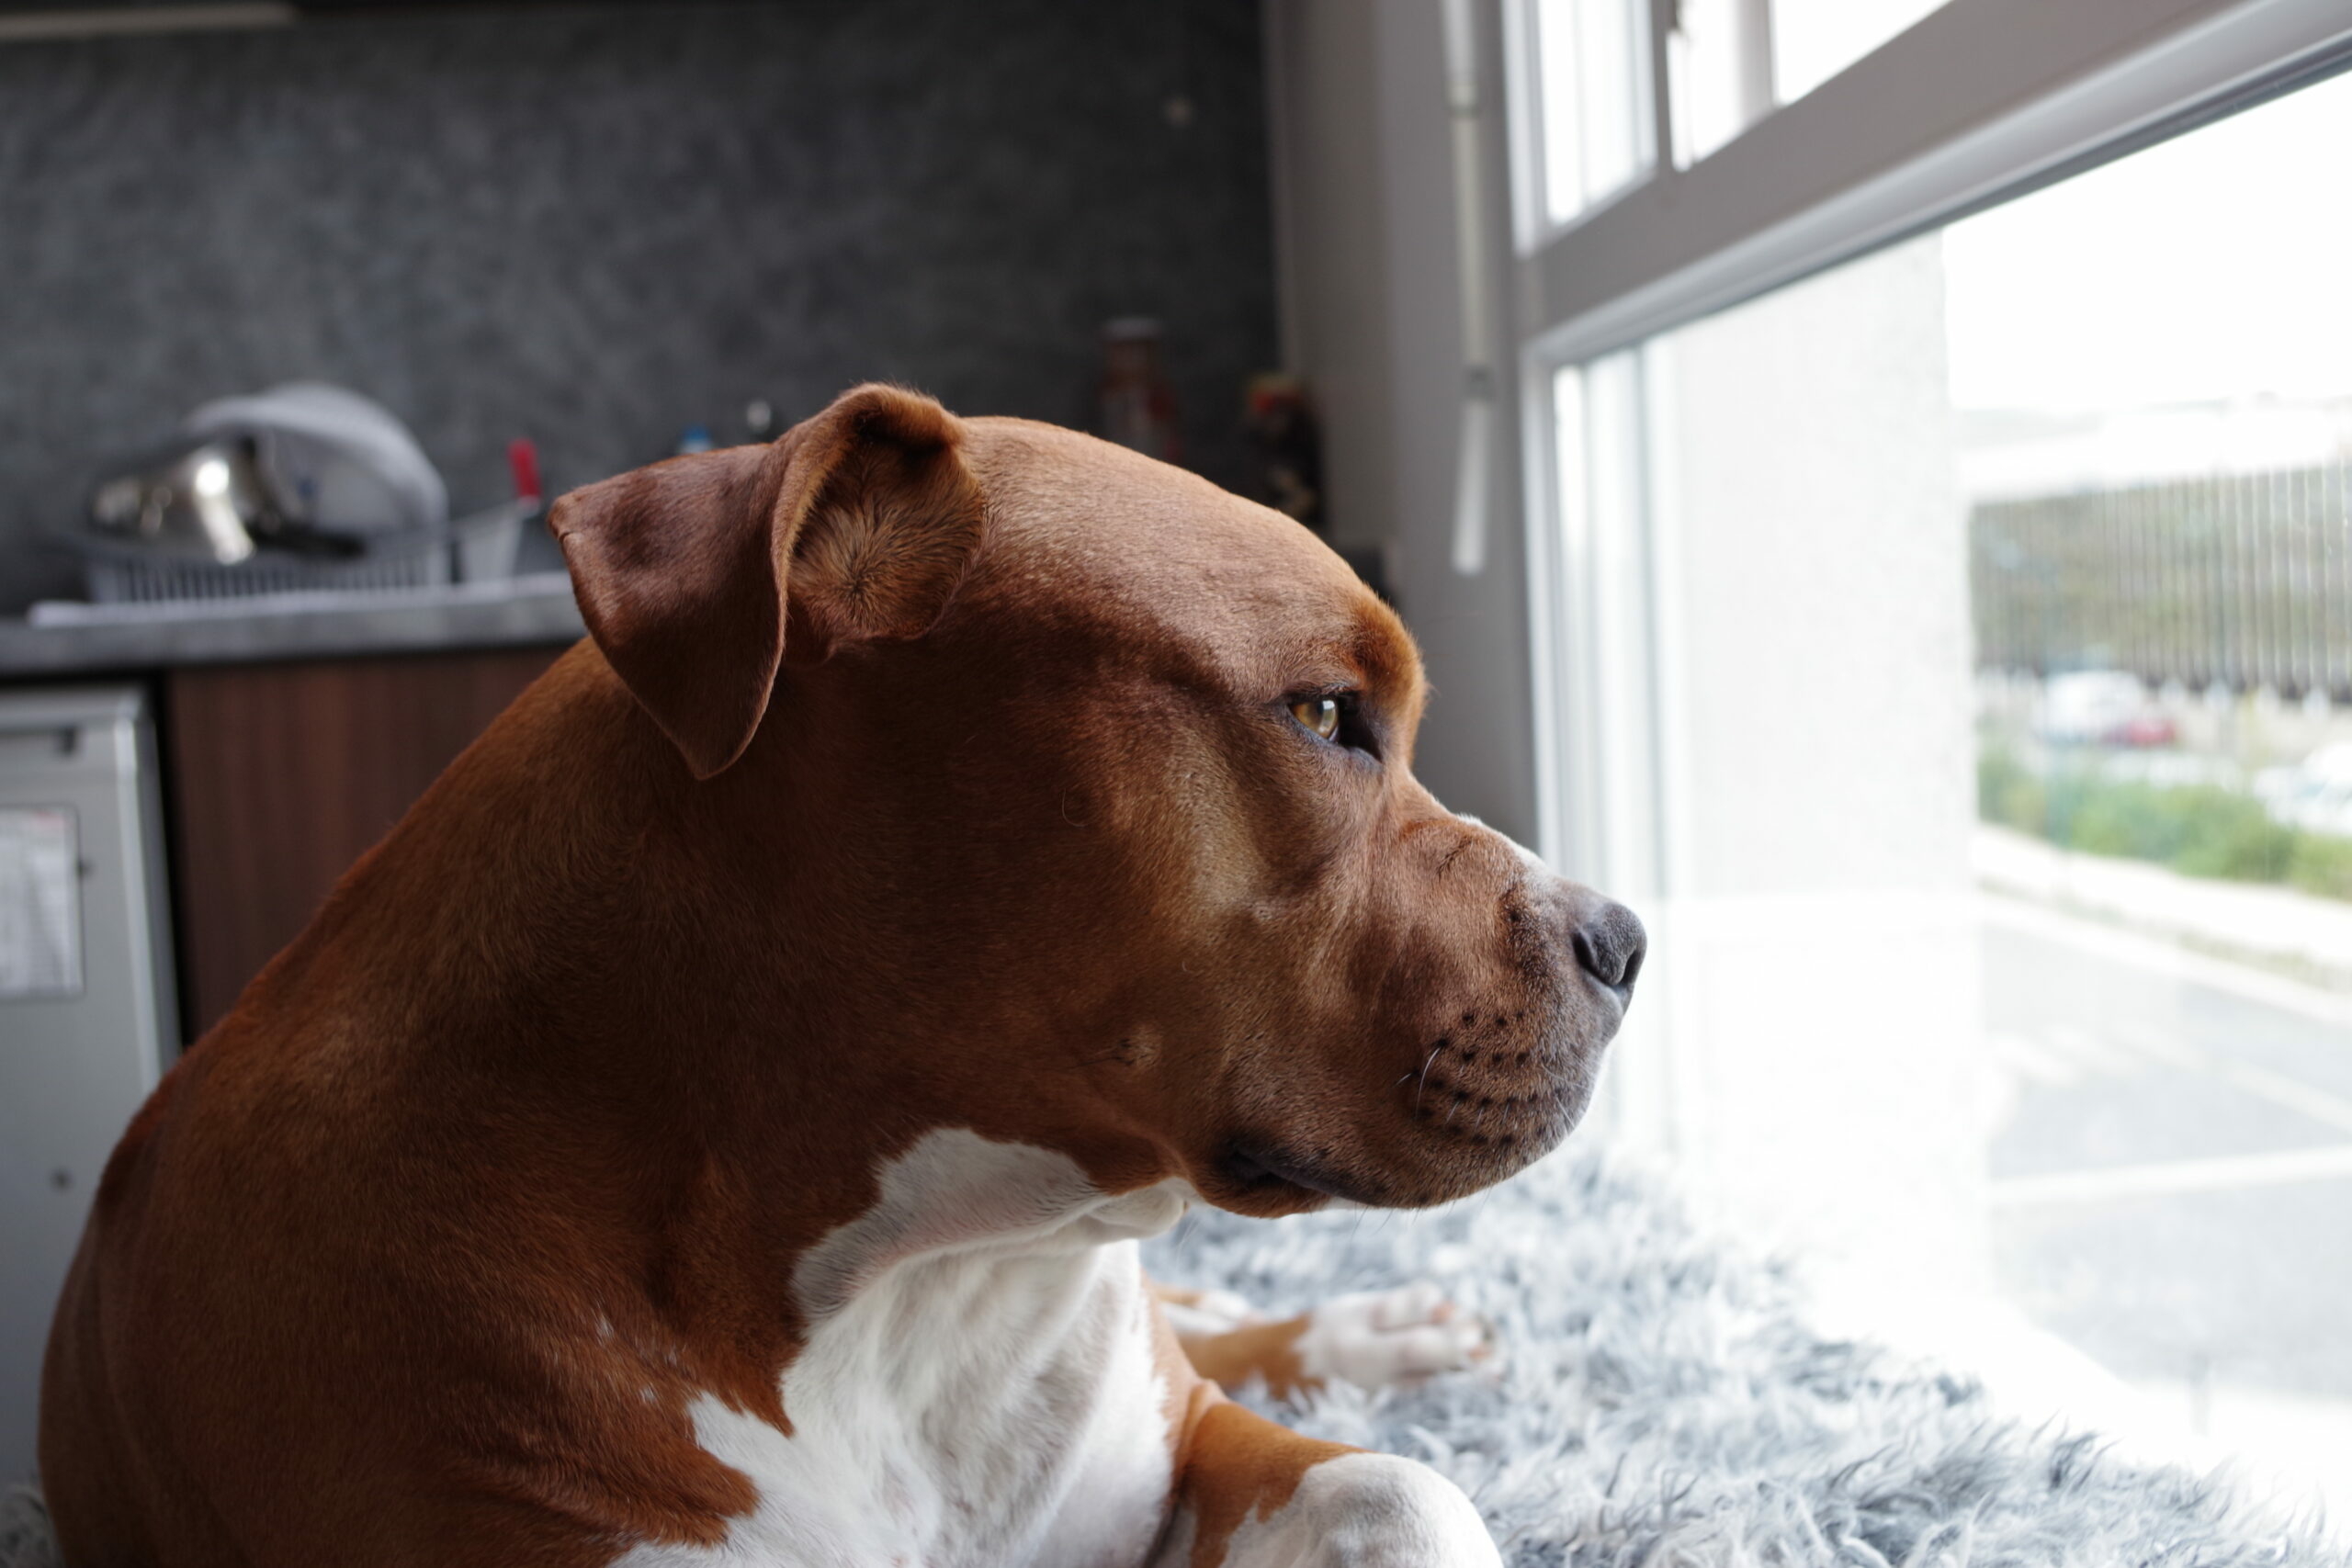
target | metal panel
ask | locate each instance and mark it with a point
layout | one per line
(75, 1062)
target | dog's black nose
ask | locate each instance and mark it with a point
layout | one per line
(1609, 944)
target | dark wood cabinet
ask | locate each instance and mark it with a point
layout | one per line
(281, 775)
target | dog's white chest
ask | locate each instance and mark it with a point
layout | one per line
(980, 1403)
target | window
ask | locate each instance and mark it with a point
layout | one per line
(1945, 640)
(1593, 110)
(1721, 74)
(1733, 61)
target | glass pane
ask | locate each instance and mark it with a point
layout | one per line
(1995, 660)
(2152, 384)
(1815, 40)
(1591, 65)
(1603, 512)
(1717, 91)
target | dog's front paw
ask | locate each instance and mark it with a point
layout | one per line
(1388, 1336)
(1363, 1510)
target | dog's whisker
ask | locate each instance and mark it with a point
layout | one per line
(1424, 1084)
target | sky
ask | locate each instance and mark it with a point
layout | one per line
(2215, 266)
(1815, 40)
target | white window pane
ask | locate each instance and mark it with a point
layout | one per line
(1604, 525)
(1592, 63)
(1558, 99)
(1573, 463)
(1815, 40)
(1714, 98)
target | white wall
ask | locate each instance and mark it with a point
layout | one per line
(1815, 1060)
(1821, 600)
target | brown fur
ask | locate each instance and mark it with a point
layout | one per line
(1241, 1466)
(1267, 1350)
(922, 774)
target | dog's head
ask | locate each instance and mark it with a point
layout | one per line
(1093, 784)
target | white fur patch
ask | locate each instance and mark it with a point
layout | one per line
(979, 1387)
(1367, 1511)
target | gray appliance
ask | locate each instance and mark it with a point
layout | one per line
(86, 1017)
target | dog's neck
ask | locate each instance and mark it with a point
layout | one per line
(711, 1123)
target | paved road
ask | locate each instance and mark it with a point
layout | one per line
(2172, 1160)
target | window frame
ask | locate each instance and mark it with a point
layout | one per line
(1979, 102)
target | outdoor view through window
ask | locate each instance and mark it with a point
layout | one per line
(1999, 593)
(2151, 374)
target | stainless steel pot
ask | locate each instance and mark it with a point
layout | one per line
(200, 499)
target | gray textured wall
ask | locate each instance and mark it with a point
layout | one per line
(593, 226)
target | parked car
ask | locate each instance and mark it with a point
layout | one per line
(2102, 707)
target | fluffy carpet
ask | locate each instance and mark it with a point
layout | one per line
(25, 1541)
(1665, 1405)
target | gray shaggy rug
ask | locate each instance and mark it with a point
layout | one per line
(1664, 1405)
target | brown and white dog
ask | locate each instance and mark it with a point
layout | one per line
(716, 1124)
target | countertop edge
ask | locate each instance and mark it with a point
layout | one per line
(522, 620)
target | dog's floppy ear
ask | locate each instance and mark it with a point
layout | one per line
(695, 575)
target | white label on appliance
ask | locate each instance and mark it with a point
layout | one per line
(41, 903)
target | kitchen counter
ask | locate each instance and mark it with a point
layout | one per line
(83, 639)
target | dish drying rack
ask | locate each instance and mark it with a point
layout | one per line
(476, 548)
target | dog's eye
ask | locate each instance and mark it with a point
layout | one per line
(1321, 714)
